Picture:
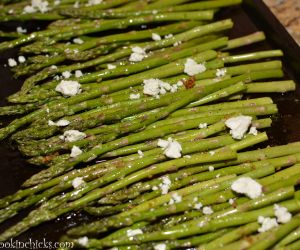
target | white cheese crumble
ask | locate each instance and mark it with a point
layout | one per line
(172, 148)
(156, 87)
(282, 214)
(160, 247)
(93, 2)
(267, 223)
(247, 186)
(198, 206)
(60, 123)
(140, 153)
(191, 67)
(207, 210)
(156, 37)
(78, 41)
(203, 125)
(21, 59)
(77, 182)
(168, 36)
(66, 74)
(134, 96)
(68, 88)
(211, 168)
(212, 152)
(72, 135)
(238, 125)
(137, 55)
(57, 2)
(111, 66)
(12, 62)
(221, 72)
(134, 232)
(231, 201)
(37, 5)
(83, 241)
(175, 199)
(177, 43)
(78, 73)
(76, 151)
(165, 185)
(253, 131)
(20, 30)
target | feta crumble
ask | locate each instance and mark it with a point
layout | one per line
(134, 232)
(76, 151)
(165, 185)
(198, 206)
(203, 125)
(140, 153)
(20, 30)
(253, 131)
(78, 73)
(78, 41)
(83, 241)
(168, 36)
(160, 247)
(267, 223)
(231, 201)
(156, 37)
(137, 55)
(212, 152)
(172, 148)
(221, 72)
(211, 168)
(238, 125)
(21, 59)
(207, 210)
(111, 66)
(282, 214)
(191, 67)
(93, 2)
(175, 199)
(37, 6)
(66, 74)
(68, 88)
(73, 135)
(12, 62)
(247, 186)
(134, 96)
(77, 182)
(156, 87)
(60, 123)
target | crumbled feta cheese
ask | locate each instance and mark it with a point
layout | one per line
(12, 62)
(177, 43)
(154, 188)
(140, 153)
(198, 206)
(36, 5)
(93, 2)
(111, 66)
(68, 88)
(201, 224)
(207, 210)
(134, 96)
(231, 201)
(20, 30)
(134, 232)
(203, 125)
(73, 135)
(60, 123)
(165, 185)
(175, 199)
(156, 37)
(77, 182)
(238, 125)
(53, 67)
(154, 87)
(253, 131)
(191, 67)
(76, 151)
(138, 54)
(160, 247)
(78, 40)
(187, 156)
(21, 59)
(282, 214)
(221, 72)
(78, 73)
(66, 74)
(179, 83)
(57, 2)
(247, 186)
(162, 143)
(83, 241)
(212, 152)
(172, 149)
(266, 223)
(168, 36)
(211, 168)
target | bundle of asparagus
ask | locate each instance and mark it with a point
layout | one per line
(143, 119)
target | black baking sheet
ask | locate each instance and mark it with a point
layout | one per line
(251, 17)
